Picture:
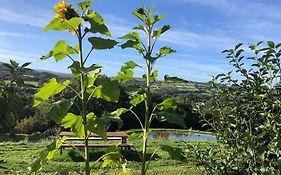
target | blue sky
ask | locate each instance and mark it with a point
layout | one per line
(201, 30)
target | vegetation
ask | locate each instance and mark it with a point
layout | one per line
(246, 114)
(11, 95)
(162, 111)
(193, 91)
(84, 122)
(241, 107)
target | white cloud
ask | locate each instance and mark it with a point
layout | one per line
(31, 18)
(221, 4)
(199, 40)
(183, 67)
(249, 8)
(110, 18)
(6, 55)
(119, 26)
(243, 21)
(14, 34)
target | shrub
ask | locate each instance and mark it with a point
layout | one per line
(246, 114)
(24, 126)
(40, 122)
(37, 123)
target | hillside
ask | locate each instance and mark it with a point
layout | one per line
(34, 75)
(170, 89)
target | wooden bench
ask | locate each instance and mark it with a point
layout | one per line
(112, 136)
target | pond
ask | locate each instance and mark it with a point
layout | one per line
(171, 135)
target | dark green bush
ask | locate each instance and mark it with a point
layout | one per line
(14, 101)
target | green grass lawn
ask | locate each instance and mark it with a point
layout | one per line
(18, 152)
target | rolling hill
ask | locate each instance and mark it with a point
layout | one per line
(171, 89)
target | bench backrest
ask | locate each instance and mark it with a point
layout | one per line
(93, 138)
(110, 136)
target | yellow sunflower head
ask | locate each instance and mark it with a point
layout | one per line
(65, 11)
(61, 6)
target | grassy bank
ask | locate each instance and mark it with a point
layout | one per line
(18, 152)
(175, 130)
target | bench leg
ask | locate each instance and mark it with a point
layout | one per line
(60, 150)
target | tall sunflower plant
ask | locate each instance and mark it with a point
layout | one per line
(69, 19)
(164, 111)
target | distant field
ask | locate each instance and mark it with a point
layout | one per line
(34, 83)
(181, 88)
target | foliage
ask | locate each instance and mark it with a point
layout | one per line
(246, 114)
(182, 92)
(84, 122)
(39, 122)
(144, 95)
(99, 106)
(11, 95)
(47, 154)
(191, 119)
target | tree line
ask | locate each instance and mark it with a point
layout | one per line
(26, 119)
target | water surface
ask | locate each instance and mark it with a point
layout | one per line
(169, 135)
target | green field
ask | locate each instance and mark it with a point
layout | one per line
(34, 83)
(18, 152)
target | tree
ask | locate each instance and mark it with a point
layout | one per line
(11, 95)
(246, 108)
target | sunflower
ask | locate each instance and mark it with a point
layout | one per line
(65, 11)
(61, 6)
